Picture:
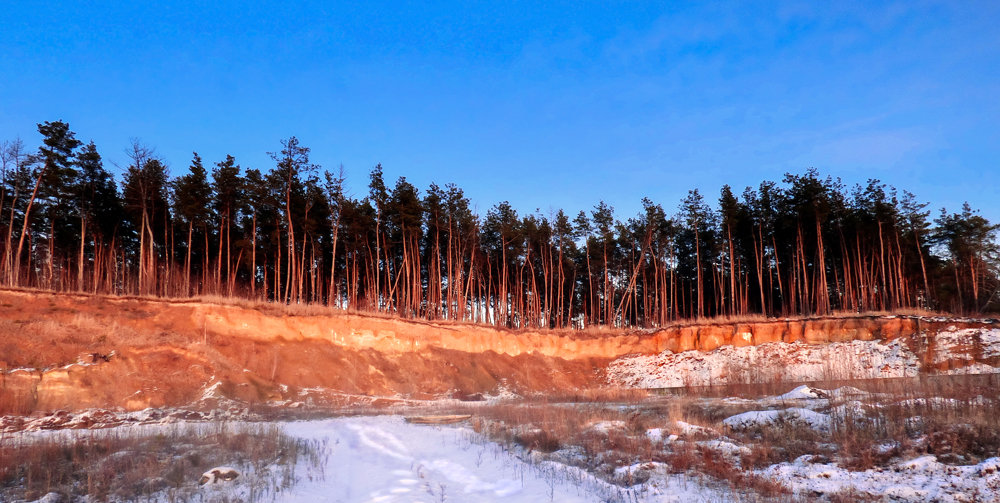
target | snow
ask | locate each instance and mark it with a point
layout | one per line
(920, 479)
(689, 429)
(607, 426)
(970, 350)
(759, 418)
(771, 362)
(725, 447)
(851, 409)
(213, 391)
(803, 393)
(848, 392)
(961, 344)
(385, 459)
(799, 361)
(971, 369)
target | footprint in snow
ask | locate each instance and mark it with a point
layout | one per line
(382, 441)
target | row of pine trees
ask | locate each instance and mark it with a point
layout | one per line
(291, 234)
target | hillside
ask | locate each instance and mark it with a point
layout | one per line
(64, 351)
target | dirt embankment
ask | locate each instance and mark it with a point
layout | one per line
(61, 351)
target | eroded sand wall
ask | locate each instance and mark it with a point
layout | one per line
(56, 351)
(398, 336)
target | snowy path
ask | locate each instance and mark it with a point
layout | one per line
(384, 459)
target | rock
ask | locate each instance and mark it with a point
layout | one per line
(218, 474)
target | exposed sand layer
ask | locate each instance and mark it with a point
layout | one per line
(65, 351)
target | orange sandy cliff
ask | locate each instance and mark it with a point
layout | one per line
(64, 351)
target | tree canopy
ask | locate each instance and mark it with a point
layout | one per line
(290, 233)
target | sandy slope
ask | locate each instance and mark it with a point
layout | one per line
(65, 351)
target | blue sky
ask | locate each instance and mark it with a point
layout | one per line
(548, 105)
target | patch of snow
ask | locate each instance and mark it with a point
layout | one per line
(758, 418)
(850, 409)
(771, 362)
(848, 392)
(972, 369)
(501, 394)
(50, 498)
(725, 447)
(22, 369)
(936, 402)
(799, 361)
(966, 344)
(920, 479)
(606, 426)
(689, 429)
(803, 393)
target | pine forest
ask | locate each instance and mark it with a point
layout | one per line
(804, 245)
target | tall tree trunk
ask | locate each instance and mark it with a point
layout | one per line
(24, 230)
(253, 258)
(187, 261)
(697, 254)
(83, 241)
(923, 268)
(823, 291)
(732, 271)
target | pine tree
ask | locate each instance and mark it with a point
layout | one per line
(59, 220)
(98, 204)
(144, 193)
(192, 199)
(228, 198)
(292, 162)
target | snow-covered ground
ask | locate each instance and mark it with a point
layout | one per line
(385, 459)
(799, 361)
(757, 418)
(920, 479)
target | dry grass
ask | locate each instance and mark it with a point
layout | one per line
(130, 465)
(604, 437)
(954, 418)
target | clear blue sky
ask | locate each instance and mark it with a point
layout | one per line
(548, 105)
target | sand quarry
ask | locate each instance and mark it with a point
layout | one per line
(685, 412)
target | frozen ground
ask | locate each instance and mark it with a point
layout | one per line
(384, 459)
(919, 479)
(381, 459)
